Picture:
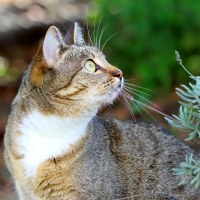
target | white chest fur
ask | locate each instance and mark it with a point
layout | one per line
(44, 137)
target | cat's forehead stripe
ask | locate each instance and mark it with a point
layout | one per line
(101, 62)
(98, 62)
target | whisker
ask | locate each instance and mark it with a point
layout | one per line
(146, 100)
(129, 96)
(153, 109)
(88, 31)
(101, 34)
(109, 39)
(129, 107)
(84, 22)
(94, 29)
(145, 110)
(96, 37)
(149, 107)
(118, 98)
(125, 83)
(133, 89)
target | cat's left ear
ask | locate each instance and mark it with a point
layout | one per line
(74, 35)
(52, 44)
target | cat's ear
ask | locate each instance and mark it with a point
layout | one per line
(52, 44)
(48, 53)
(74, 35)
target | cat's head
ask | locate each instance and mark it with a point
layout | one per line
(72, 77)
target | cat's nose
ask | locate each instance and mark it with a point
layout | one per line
(118, 73)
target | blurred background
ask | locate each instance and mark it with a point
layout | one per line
(140, 37)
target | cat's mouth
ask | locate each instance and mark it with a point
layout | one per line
(115, 90)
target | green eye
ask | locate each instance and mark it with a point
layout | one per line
(90, 66)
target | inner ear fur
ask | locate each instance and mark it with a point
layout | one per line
(52, 45)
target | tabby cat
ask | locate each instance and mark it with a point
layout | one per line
(56, 148)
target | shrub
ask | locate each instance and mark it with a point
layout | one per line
(188, 120)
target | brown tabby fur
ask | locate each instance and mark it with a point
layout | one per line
(113, 160)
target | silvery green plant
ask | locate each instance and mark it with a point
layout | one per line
(188, 120)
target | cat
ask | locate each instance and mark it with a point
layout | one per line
(56, 148)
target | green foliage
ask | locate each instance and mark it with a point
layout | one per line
(150, 31)
(188, 120)
(190, 171)
(189, 112)
(7, 74)
(3, 70)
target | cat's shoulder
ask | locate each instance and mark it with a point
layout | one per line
(140, 132)
(129, 127)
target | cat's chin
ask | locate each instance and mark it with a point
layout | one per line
(112, 95)
(114, 92)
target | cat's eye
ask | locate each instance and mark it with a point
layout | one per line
(90, 66)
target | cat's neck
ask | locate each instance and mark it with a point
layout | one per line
(47, 136)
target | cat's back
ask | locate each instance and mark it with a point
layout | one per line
(141, 156)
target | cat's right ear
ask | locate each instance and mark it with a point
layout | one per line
(52, 45)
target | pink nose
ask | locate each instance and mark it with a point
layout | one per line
(118, 73)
